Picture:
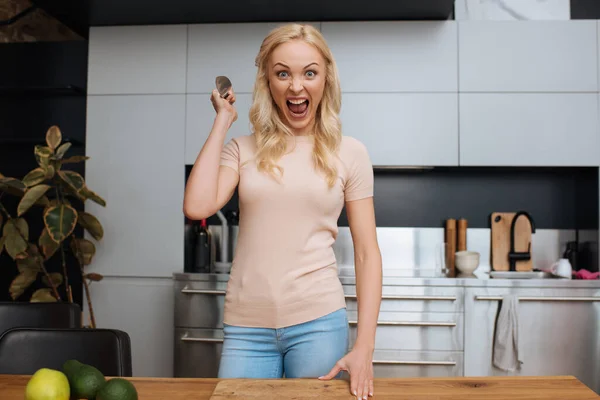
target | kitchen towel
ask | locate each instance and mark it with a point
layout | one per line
(507, 355)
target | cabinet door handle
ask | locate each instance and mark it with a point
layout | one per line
(186, 290)
(410, 323)
(201, 339)
(498, 298)
(409, 297)
(398, 362)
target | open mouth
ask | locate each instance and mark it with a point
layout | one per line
(298, 107)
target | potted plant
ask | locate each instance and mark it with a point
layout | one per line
(60, 193)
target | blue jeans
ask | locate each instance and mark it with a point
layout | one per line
(306, 350)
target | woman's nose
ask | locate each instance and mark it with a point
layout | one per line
(296, 85)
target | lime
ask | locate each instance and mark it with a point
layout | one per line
(85, 380)
(117, 389)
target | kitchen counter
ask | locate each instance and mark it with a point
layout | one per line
(12, 387)
(427, 326)
(481, 280)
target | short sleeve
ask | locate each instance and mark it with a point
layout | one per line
(230, 155)
(360, 180)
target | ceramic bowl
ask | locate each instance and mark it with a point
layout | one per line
(466, 261)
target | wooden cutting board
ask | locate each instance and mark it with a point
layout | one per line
(500, 241)
(278, 389)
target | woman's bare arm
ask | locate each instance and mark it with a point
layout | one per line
(210, 186)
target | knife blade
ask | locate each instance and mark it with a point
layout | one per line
(223, 85)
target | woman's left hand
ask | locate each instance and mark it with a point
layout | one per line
(359, 364)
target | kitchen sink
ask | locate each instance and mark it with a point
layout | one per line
(521, 275)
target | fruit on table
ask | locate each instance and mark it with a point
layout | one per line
(117, 389)
(85, 380)
(47, 384)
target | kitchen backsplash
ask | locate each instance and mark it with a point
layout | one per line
(412, 205)
(556, 198)
(410, 252)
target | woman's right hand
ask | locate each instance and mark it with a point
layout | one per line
(224, 106)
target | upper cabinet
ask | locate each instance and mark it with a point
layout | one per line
(528, 56)
(405, 129)
(225, 49)
(529, 129)
(136, 147)
(137, 60)
(398, 56)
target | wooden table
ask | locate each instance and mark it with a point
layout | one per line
(12, 387)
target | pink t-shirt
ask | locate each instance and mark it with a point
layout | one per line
(284, 270)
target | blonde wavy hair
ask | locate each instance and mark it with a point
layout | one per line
(270, 131)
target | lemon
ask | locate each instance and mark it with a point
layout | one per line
(47, 384)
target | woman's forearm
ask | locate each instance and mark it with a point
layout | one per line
(368, 290)
(200, 198)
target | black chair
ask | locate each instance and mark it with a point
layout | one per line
(39, 315)
(25, 350)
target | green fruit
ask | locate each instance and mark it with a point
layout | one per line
(85, 380)
(70, 366)
(117, 389)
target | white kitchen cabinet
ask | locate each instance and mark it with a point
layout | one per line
(137, 59)
(528, 56)
(136, 149)
(394, 56)
(200, 116)
(404, 129)
(225, 49)
(144, 309)
(558, 332)
(529, 129)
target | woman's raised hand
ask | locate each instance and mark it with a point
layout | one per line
(224, 105)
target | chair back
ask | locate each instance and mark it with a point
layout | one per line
(25, 350)
(39, 315)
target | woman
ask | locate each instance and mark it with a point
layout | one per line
(285, 310)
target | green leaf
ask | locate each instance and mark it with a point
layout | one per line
(34, 177)
(74, 159)
(62, 150)
(42, 155)
(56, 278)
(90, 195)
(22, 227)
(16, 235)
(73, 179)
(12, 186)
(30, 263)
(84, 250)
(50, 171)
(47, 245)
(43, 296)
(32, 195)
(60, 221)
(21, 283)
(53, 137)
(2, 240)
(91, 224)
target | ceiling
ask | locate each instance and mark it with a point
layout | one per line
(79, 15)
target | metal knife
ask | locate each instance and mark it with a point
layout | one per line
(223, 86)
